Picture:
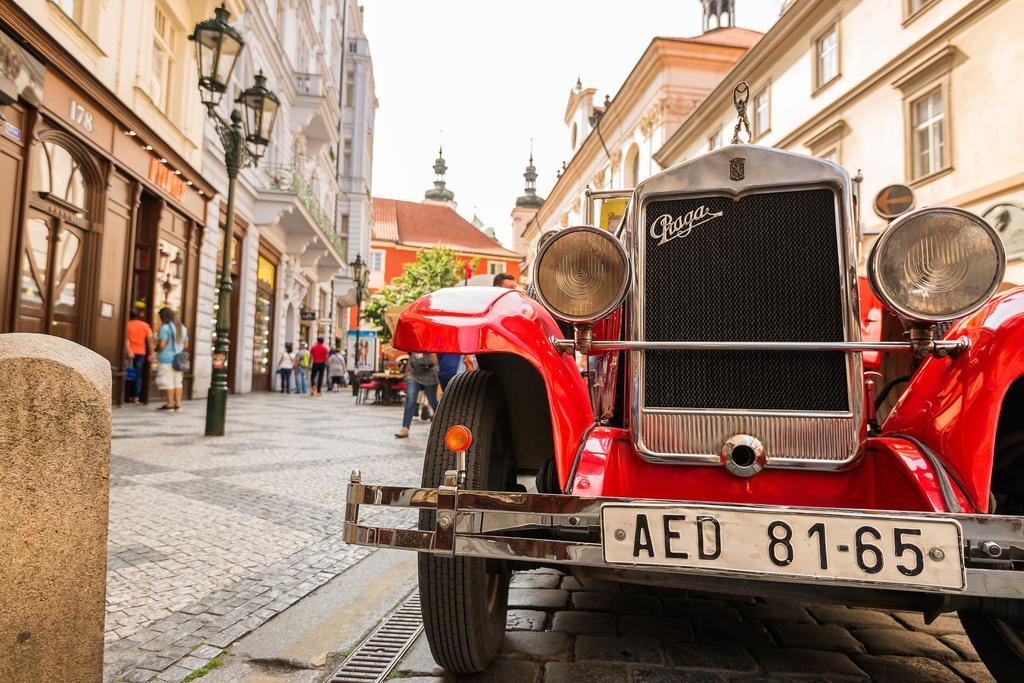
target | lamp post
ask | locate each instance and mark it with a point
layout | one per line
(244, 139)
(360, 274)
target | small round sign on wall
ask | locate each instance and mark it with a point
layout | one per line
(893, 200)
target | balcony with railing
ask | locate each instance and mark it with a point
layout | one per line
(288, 189)
(315, 110)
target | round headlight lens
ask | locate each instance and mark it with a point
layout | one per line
(937, 264)
(582, 274)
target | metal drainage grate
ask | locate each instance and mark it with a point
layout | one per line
(374, 658)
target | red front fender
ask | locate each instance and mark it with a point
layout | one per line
(480, 320)
(953, 404)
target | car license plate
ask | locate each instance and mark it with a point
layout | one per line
(926, 553)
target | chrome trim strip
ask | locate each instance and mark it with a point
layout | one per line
(899, 347)
(482, 515)
(702, 433)
(767, 171)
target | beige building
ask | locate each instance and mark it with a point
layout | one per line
(104, 204)
(914, 92)
(612, 145)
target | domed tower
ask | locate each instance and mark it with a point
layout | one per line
(440, 193)
(527, 206)
(722, 11)
(530, 199)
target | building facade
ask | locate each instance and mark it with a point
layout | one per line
(612, 145)
(103, 207)
(296, 218)
(911, 93)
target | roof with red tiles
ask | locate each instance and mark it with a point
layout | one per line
(731, 36)
(422, 224)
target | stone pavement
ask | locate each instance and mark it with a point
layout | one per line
(211, 537)
(559, 631)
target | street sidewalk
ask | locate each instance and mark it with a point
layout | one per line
(211, 537)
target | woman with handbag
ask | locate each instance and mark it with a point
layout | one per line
(172, 358)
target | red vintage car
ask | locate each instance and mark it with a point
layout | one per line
(755, 417)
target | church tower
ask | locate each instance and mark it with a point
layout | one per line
(439, 193)
(527, 206)
(722, 12)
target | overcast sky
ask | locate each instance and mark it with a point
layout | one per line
(493, 74)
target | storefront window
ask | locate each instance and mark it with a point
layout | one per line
(169, 274)
(34, 267)
(58, 174)
(266, 273)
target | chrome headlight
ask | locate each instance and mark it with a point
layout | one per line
(936, 264)
(581, 274)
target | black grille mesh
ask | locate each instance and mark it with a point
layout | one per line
(767, 269)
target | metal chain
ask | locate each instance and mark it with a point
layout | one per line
(740, 95)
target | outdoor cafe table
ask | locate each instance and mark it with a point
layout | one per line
(388, 381)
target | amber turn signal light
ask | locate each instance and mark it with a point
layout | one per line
(458, 438)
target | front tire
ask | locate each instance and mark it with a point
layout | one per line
(1000, 642)
(465, 600)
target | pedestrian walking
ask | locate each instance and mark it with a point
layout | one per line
(172, 358)
(422, 374)
(285, 367)
(318, 354)
(138, 344)
(448, 365)
(302, 363)
(337, 368)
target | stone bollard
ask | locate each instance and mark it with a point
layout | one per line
(54, 486)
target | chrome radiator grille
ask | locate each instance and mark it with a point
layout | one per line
(765, 267)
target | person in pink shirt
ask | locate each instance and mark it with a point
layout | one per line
(318, 355)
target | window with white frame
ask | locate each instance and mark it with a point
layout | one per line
(928, 133)
(347, 159)
(72, 8)
(915, 6)
(161, 73)
(762, 113)
(826, 61)
(350, 88)
(495, 267)
(715, 140)
(376, 260)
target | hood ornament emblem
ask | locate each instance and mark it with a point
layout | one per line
(740, 95)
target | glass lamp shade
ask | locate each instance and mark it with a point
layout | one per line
(218, 46)
(359, 270)
(259, 112)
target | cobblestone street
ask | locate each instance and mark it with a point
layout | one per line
(211, 537)
(559, 631)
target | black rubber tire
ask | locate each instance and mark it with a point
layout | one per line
(465, 600)
(1000, 644)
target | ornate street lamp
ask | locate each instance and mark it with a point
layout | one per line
(360, 276)
(218, 46)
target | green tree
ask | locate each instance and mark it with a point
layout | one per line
(433, 269)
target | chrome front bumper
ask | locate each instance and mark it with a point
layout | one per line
(489, 524)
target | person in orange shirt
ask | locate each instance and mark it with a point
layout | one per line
(138, 344)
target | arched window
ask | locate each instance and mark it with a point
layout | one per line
(51, 258)
(631, 168)
(58, 175)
